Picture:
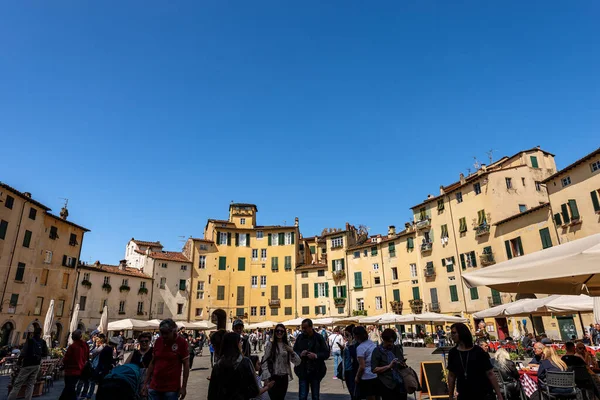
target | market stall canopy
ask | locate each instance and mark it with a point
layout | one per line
(261, 325)
(498, 311)
(374, 319)
(196, 325)
(432, 318)
(325, 321)
(129, 324)
(347, 320)
(294, 322)
(570, 268)
(555, 304)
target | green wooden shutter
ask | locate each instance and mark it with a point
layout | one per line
(269, 239)
(474, 294)
(343, 266)
(595, 201)
(3, 229)
(316, 290)
(453, 293)
(473, 259)
(222, 263)
(396, 294)
(218, 237)
(443, 263)
(247, 240)
(332, 265)
(27, 239)
(416, 294)
(335, 292)
(545, 236)
(281, 239)
(344, 291)
(293, 237)
(565, 213)
(463, 264)
(326, 289)
(237, 239)
(228, 238)
(508, 251)
(241, 264)
(574, 209)
(520, 245)
(496, 297)
(534, 162)
(431, 235)
(312, 250)
(358, 280)
(410, 243)
(557, 219)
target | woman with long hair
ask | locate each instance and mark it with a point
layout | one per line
(508, 370)
(553, 363)
(469, 368)
(215, 343)
(233, 376)
(276, 364)
(349, 360)
(386, 362)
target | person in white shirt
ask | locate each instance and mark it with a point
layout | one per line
(336, 344)
(366, 380)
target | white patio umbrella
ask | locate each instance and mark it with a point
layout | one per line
(375, 318)
(73, 325)
(294, 322)
(597, 310)
(325, 321)
(128, 324)
(498, 311)
(103, 325)
(202, 325)
(261, 325)
(48, 322)
(433, 318)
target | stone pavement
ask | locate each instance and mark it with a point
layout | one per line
(331, 389)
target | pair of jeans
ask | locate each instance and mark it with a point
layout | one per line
(155, 395)
(279, 390)
(85, 388)
(350, 382)
(68, 392)
(315, 388)
(27, 376)
(441, 342)
(337, 358)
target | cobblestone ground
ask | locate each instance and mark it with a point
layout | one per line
(331, 389)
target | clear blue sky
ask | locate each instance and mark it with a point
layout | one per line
(152, 116)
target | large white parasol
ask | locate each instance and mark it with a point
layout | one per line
(103, 326)
(73, 326)
(48, 322)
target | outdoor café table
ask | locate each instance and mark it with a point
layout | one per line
(529, 381)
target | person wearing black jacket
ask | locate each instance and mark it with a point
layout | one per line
(238, 327)
(33, 352)
(313, 352)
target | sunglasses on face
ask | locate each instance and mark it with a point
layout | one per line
(279, 331)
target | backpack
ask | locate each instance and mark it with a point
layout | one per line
(35, 351)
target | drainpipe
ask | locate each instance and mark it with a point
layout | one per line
(152, 288)
(12, 255)
(189, 318)
(384, 285)
(75, 289)
(459, 268)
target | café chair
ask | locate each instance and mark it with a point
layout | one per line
(563, 381)
(504, 386)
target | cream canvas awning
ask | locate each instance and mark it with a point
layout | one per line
(555, 304)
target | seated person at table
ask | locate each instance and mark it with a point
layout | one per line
(527, 342)
(551, 362)
(545, 339)
(538, 352)
(586, 340)
(485, 346)
(582, 351)
(571, 358)
(508, 370)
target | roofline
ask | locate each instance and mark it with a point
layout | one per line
(22, 195)
(201, 240)
(109, 271)
(515, 216)
(573, 165)
(243, 205)
(67, 222)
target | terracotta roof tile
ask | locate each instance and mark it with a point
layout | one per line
(23, 196)
(573, 165)
(169, 256)
(202, 240)
(114, 269)
(522, 213)
(68, 222)
(145, 243)
(311, 266)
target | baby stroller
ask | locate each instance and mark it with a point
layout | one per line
(122, 383)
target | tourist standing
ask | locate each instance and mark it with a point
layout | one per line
(386, 362)
(201, 342)
(170, 357)
(77, 355)
(87, 383)
(350, 361)
(365, 379)
(233, 376)
(31, 356)
(469, 368)
(276, 365)
(238, 327)
(336, 344)
(441, 336)
(313, 351)
(142, 357)
(216, 338)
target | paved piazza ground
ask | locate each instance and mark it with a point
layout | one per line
(198, 384)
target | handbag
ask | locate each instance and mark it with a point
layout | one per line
(411, 382)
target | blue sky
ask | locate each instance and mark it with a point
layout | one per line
(153, 116)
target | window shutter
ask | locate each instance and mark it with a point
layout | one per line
(64, 262)
(574, 209)
(3, 228)
(335, 292)
(444, 262)
(595, 201)
(316, 290)
(218, 237)
(557, 219)
(416, 294)
(508, 252)
(326, 289)
(565, 213)
(431, 235)
(520, 245)
(228, 238)
(344, 291)
(237, 239)
(474, 294)
(357, 279)
(222, 263)
(247, 240)
(241, 264)
(396, 294)
(293, 237)
(332, 265)
(269, 240)
(342, 260)
(453, 293)
(281, 239)
(317, 310)
(473, 260)
(410, 243)
(463, 264)
(534, 162)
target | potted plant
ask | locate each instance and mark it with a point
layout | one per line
(429, 342)
(86, 283)
(143, 290)
(124, 288)
(106, 287)
(357, 313)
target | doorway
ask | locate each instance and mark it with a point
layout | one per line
(566, 325)
(538, 325)
(502, 328)
(5, 333)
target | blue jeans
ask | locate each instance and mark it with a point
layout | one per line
(88, 387)
(337, 358)
(315, 388)
(441, 342)
(154, 395)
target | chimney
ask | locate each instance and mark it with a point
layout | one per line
(347, 226)
(391, 230)
(296, 222)
(462, 178)
(122, 265)
(407, 225)
(148, 251)
(27, 194)
(429, 196)
(484, 167)
(64, 213)
(442, 192)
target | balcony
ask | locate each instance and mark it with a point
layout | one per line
(494, 301)
(429, 272)
(426, 247)
(487, 259)
(482, 230)
(339, 301)
(416, 306)
(434, 307)
(274, 303)
(396, 306)
(422, 224)
(339, 274)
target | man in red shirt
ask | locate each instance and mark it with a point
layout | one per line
(170, 356)
(74, 361)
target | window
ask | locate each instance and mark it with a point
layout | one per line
(53, 233)
(65, 281)
(202, 263)
(220, 292)
(254, 254)
(566, 181)
(160, 308)
(365, 253)
(222, 238)
(360, 304)
(378, 303)
(538, 186)
(273, 239)
(184, 267)
(73, 240)
(259, 235)
(444, 231)
(337, 242)
(263, 311)
(321, 289)
(163, 283)
(203, 247)
(263, 281)
(182, 284)
(12, 305)
(48, 257)
(107, 280)
(595, 166)
(508, 183)
(200, 285)
(477, 188)
(338, 265)
(392, 249)
(373, 251)
(574, 210)
(9, 202)
(240, 296)
(356, 254)
(122, 307)
(453, 293)
(321, 272)
(474, 294)
(39, 301)
(242, 221)
(375, 266)
(545, 236)
(263, 254)
(222, 263)
(440, 204)
(198, 312)
(44, 277)
(59, 306)
(254, 281)
(305, 290)
(358, 280)
(305, 274)
(288, 311)
(27, 239)
(394, 273)
(287, 290)
(305, 310)
(163, 265)
(32, 213)
(595, 201)
(242, 239)
(514, 248)
(241, 263)
(3, 229)
(523, 181)
(468, 260)
(20, 272)
(462, 225)
(143, 285)
(459, 198)
(377, 280)
(253, 310)
(410, 243)
(288, 263)
(522, 207)
(416, 293)
(289, 238)
(125, 282)
(448, 263)
(413, 270)
(534, 162)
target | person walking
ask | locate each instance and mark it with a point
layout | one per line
(170, 357)
(77, 355)
(34, 350)
(386, 362)
(87, 383)
(469, 368)
(279, 355)
(374, 335)
(366, 380)
(336, 344)
(233, 376)
(313, 351)
(350, 361)
(238, 327)
(201, 342)
(260, 340)
(142, 357)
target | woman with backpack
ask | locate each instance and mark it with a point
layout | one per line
(276, 364)
(386, 361)
(233, 376)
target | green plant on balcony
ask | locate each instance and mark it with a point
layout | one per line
(339, 301)
(124, 288)
(106, 287)
(143, 290)
(86, 283)
(358, 313)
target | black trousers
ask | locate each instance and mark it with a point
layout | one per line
(391, 394)
(279, 390)
(68, 392)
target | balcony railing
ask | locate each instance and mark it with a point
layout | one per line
(494, 301)
(487, 259)
(482, 230)
(434, 307)
(416, 306)
(424, 223)
(396, 306)
(274, 302)
(339, 274)
(429, 272)
(426, 247)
